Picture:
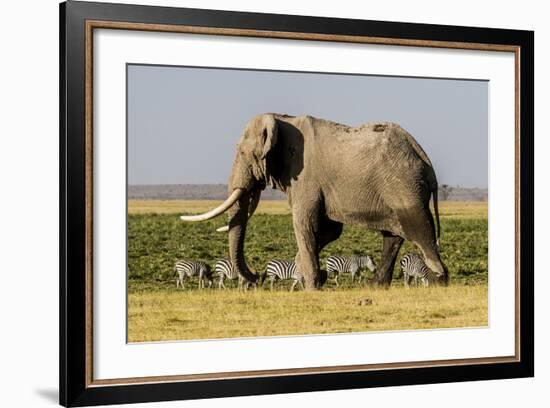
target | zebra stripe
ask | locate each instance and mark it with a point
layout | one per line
(224, 269)
(353, 264)
(279, 269)
(185, 268)
(413, 266)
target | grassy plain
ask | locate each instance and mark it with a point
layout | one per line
(170, 314)
(157, 311)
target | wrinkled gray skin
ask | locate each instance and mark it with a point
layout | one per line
(375, 175)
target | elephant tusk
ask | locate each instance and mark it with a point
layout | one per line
(235, 195)
(253, 205)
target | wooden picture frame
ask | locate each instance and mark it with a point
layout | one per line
(78, 20)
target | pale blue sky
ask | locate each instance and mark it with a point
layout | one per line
(184, 123)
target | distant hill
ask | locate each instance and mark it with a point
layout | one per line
(462, 193)
(219, 192)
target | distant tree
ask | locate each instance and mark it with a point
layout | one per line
(445, 190)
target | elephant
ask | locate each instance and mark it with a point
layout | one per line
(375, 175)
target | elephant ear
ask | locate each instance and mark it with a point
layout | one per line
(269, 134)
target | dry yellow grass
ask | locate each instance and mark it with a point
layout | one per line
(455, 209)
(170, 314)
(197, 206)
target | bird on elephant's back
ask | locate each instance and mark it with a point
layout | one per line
(375, 175)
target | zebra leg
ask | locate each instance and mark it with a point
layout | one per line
(406, 279)
(221, 285)
(336, 274)
(243, 284)
(271, 280)
(391, 246)
(353, 272)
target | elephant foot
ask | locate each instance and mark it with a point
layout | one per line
(321, 278)
(311, 286)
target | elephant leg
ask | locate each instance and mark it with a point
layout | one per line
(392, 245)
(328, 231)
(418, 227)
(307, 258)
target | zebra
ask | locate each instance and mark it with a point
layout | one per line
(224, 269)
(279, 269)
(352, 264)
(187, 268)
(413, 266)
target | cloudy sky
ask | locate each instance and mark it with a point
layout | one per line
(184, 123)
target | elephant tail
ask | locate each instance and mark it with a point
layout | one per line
(436, 211)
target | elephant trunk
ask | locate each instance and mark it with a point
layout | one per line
(238, 218)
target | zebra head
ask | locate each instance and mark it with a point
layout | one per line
(367, 262)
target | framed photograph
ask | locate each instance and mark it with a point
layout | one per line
(256, 204)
